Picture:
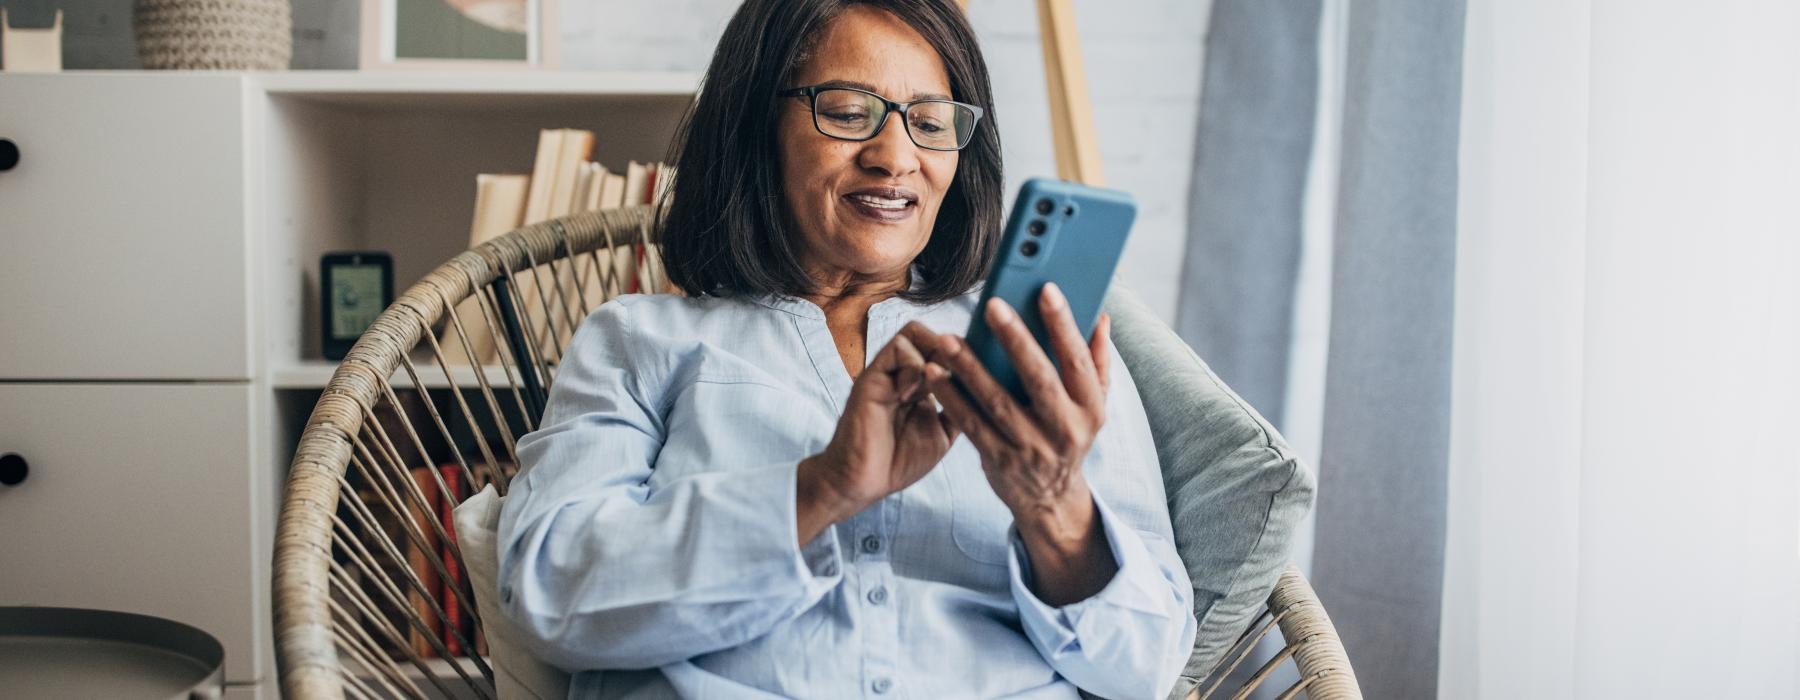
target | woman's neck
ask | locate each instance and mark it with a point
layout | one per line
(847, 293)
(845, 297)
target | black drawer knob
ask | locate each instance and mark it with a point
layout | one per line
(13, 469)
(9, 154)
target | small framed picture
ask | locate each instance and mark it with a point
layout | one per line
(460, 34)
(355, 286)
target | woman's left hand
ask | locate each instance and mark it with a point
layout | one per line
(1033, 455)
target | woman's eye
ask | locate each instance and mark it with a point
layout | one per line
(845, 117)
(928, 126)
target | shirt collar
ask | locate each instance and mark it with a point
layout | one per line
(886, 307)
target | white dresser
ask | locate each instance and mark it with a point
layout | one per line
(159, 352)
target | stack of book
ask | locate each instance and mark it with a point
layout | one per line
(564, 180)
(453, 639)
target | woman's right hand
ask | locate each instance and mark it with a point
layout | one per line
(890, 435)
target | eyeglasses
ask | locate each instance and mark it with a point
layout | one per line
(859, 115)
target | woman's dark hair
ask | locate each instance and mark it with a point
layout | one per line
(726, 229)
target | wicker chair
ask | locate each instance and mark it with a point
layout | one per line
(346, 602)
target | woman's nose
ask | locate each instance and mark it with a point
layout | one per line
(892, 151)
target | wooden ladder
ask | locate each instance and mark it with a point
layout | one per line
(1071, 109)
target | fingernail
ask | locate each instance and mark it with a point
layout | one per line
(1000, 311)
(949, 344)
(1054, 294)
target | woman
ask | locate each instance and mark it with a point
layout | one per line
(752, 490)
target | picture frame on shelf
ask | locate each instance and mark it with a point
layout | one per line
(354, 288)
(460, 35)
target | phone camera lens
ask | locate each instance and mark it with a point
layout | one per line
(1045, 206)
(1069, 211)
(1029, 249)
(1036, 228)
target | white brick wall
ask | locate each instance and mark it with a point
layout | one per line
(1143, 63)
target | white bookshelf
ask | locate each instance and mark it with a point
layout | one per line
(315, 374)
(197, 205)
(421, 87)
(387, 161)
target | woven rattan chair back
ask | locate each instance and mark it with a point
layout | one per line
(360, 607)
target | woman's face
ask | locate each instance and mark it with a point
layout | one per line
(864, 209)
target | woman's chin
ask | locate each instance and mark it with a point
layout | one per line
(875, 260)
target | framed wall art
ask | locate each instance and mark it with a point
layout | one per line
(460, 34)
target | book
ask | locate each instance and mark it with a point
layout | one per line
(457, 627)
(564, 180)
(597, 174)
(583, 179)
(461, 632)
(388, 528)
(612, 196)
(419, 560)
(577, 149)
(637, 183)
(648, 258)
(543, 175)
(500, 203)
(593, 280)
(665, 182)
(392, 529)
(546, 313)
(584, 279)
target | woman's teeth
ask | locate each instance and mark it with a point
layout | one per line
(880, 203)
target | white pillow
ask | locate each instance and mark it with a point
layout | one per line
(516, 673)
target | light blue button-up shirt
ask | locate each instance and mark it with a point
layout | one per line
(649, 542)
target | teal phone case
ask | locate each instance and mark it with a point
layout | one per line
(1083, 232)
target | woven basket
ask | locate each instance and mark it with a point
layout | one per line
(213, 34)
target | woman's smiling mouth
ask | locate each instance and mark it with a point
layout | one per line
(883, 204)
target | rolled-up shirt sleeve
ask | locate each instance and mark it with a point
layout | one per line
(1131, 639)
(601, 571)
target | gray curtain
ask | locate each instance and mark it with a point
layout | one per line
(1379, 546)
(1378, 560)
(1250, 157)
(1255, 137)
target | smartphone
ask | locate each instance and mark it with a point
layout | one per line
(1061, 232)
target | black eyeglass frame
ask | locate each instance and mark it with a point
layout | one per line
(811, 93)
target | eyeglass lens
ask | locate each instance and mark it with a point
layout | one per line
(935, 124)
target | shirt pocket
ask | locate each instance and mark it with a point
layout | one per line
(979, 520)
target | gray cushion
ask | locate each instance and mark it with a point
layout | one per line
(1236, 491)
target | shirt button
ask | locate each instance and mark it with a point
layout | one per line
(879, 595)
(881, 685)
(871, 544)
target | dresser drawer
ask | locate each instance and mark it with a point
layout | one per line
(122, 228)
(138, 498)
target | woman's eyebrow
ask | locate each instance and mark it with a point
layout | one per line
(865, 86)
